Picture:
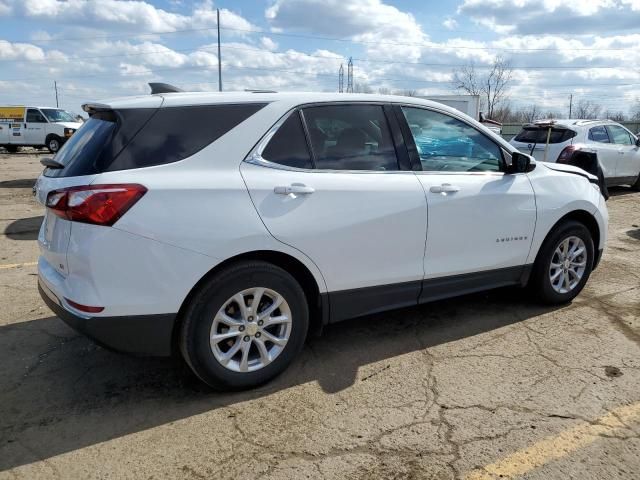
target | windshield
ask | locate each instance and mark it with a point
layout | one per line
(56, 115)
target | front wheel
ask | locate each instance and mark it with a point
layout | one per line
(564, 263)
(244, 326)
(54, 144)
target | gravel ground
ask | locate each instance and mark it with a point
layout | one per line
(484, 386)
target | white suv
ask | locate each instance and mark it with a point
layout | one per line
(227, 226)
(617, 148)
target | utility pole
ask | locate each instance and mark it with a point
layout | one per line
(350, 75)
(570, 104)
(55, 86)
(219, 55)
(341, 79)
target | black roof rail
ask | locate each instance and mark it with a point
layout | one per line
(163, 88)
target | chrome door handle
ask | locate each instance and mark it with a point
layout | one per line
(444, 188)
(296, 188)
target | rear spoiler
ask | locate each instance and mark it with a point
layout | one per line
(92, 108)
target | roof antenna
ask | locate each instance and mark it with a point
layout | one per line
(163, 88)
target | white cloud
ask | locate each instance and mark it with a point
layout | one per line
(132, 15)
(553, 16)
(450, 23)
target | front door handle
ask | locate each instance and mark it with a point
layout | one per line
(295, 188)
(444, 188)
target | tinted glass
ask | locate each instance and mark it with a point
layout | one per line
(86, 145)
(176, 133)
(144, 137)
(539, 135)
(288, 145)
(35, 116)
(599, 134)
(350, 137)
(445, 143)
(619, 135)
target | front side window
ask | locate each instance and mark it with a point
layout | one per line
(57, 115)
(619, 135)
(34, 116)
(350, 137)
(599, 134)
(288, 146)
(445, 143)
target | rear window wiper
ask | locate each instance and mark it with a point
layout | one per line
(51, 163)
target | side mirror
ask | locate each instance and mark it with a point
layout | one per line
(638, 142)
(520, 163)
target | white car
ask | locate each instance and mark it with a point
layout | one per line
(617, 148)
(35, 127)
(229, 225)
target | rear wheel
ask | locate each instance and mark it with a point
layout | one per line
(244, 326)
(11, 148)
(564, 263)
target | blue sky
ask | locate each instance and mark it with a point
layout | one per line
(97, 49)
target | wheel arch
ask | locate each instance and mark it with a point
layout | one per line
(318, 302)
(581, 216)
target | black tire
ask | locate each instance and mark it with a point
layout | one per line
(199, 315)
(12, 148)
(540, 281)
(636, 186)
(53, 143)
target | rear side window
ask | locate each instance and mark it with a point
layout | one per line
(350, 137)
(599, 134)
(288, 145)
(135, 138)
(539, 135)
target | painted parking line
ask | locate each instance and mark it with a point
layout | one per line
(17, 265)
(557, 446)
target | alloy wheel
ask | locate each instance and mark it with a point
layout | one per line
(568, 264)
(251, 329)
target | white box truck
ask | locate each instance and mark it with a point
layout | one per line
(35, 127)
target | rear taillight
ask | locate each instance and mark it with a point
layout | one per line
(566, 153)
(96, 204)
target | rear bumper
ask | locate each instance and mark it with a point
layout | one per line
(138, 334)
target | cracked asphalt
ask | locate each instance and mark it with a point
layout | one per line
(480, 387)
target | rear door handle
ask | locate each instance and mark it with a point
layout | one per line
(444, 188)
(296, 188)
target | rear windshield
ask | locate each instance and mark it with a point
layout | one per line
(539, 135)
(135, 138)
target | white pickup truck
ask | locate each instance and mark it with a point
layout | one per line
(35, 127)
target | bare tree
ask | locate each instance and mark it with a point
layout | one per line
(618, 116)
(634, 111)
(362, 88)
(407, 92)
(384, 91)
(586, 109)
(491, 86)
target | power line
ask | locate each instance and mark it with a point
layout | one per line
(206, 49)
(426, 45)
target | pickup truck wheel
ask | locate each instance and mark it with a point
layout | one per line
(244, 326)
(564, 263)
(636, 186)
(11, 148)
(53, 143)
